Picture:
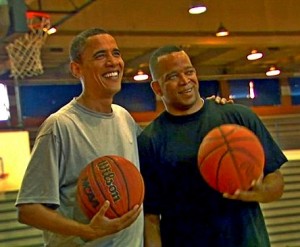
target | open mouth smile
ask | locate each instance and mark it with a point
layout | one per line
(113, 74)
(186, 91)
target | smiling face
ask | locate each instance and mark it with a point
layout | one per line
(177, 83)
(100, 67)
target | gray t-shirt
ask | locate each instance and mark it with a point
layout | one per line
(67, 141)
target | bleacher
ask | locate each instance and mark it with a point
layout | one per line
(283, 216)
(285, 130)
(12, 233)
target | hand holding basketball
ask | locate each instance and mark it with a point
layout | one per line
(101, 226)
(253, 195)
(230, 158)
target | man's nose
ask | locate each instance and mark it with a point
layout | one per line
(184, 78)
(111, 59)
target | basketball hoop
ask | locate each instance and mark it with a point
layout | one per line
(25, 52)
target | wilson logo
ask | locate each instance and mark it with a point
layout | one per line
(109, 178)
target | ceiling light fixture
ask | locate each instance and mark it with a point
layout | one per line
(254, 55)
(140, 76)
(222, 31)
(273, 71)
(197, 9)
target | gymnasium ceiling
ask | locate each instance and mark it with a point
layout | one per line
(270, 26)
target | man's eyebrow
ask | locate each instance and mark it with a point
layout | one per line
(117, 49)
(100, 52)
(175, 72)
(190, 67)
(171, 73)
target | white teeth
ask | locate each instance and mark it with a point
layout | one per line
(187, 91)
(111, 74)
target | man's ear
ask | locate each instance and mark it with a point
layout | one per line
(156, 88)
(75, 69)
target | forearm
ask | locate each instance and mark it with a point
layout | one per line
(152, 231)
(44, 218)
(273, 186)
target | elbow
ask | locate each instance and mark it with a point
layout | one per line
(280, 185)
(273, 196)
(280, 192)
(274, 188)
(23, 214)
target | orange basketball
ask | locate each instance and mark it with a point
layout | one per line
(111, 178)
(230, 157)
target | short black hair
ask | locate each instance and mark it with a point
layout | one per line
(78, 43)
(164, 50)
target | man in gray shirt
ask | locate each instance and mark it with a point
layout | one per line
(87, 127)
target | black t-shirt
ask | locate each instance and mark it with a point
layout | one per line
(192, 213)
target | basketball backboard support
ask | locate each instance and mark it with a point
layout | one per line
(4, 20)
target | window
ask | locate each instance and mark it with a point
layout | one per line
(295, 90)
(257, 92)
(4, 103)
(136, 97)
(208, 88)
(42, 100)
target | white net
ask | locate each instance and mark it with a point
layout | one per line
(25, 52)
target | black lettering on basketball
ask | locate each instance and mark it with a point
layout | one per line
(89, 193)
(108, 176)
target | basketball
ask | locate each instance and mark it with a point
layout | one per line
(230, 157)
(111, 178)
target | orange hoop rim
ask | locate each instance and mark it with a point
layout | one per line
(33, 14)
